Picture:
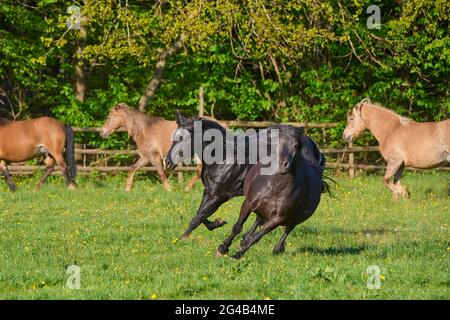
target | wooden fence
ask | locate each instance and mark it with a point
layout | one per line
(84, 168)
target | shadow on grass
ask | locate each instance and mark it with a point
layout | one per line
(332, 251)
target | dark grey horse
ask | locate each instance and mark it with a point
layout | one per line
(222, 181)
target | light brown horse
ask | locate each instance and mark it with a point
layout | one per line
(153, 137)
(403, 141)
(23, 140)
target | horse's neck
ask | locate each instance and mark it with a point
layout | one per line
(134, 124)
(380, 122)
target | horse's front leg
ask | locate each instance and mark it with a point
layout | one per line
(5, 172)
(392, 167)
(237, 228)
(258, 222)
(139, 164)
(49, 168)
(209, 205)
(266, 228)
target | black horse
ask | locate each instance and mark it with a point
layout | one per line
(285, 198)
(223, 180)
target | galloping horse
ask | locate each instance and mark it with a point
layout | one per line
(152, 136)
(287, 197)
(403, 142)
(23, 140)
(222, 181)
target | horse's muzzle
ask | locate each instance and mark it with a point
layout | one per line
(347, 138)
(103, 133)
(168, 164)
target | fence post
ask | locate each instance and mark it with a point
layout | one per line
(351, 161)
(201, 102)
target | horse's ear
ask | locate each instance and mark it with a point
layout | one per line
(179, 118)
(359, 105)
(119, 106)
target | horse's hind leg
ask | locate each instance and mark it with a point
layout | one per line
(139, 164)
(157, 163)
(194, 179)
(392, 168)
(9, 182)
(401, 190)
(64, 169)
(49, 167)
(237, 228)
(279, 248)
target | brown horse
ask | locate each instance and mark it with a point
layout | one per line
(23, 140)
(153, 137)
(403, 142)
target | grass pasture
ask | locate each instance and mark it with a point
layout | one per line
(127, 248)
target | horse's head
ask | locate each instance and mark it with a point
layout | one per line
(289, 148)
(355, 123)
(182, 142)
(114, 121)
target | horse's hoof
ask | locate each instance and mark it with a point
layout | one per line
(13, 188)
(277, 251)
(218, 254)
(72, 186)
(237, 256)
(219, 222)
(184, 238)
(127, 189)
(188, 189)
(221, 250)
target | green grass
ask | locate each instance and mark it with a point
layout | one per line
(126, 244)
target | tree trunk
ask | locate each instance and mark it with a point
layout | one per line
(158, 73)
(80, 74)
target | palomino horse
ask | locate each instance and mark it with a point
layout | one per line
(403, 142)
(153, 137)
(23, 140)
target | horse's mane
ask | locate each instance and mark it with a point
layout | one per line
(138, 118)
(209, 124)
(403, 120)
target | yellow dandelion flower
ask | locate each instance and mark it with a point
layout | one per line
(153, 296)
(382, 278)
(205, 278)
(267, 298)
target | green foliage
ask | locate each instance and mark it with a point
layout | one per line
(257, 60)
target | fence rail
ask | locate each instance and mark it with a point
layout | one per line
(81, 153)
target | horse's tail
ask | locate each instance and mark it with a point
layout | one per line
(69, 152)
